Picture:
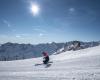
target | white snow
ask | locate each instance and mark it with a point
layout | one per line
(71, 65)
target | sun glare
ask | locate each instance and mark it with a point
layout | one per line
(34, 9)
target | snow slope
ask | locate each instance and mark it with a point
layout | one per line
(71, 65)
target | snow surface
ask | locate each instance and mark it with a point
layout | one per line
(71, 65)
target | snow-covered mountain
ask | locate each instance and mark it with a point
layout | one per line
(82, 64)
(76, 45)
(15, 51)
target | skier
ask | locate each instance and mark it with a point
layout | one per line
(45, 58)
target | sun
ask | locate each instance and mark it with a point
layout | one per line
(34, 9)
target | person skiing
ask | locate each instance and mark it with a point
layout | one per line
(45, 57)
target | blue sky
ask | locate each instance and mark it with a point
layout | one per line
(54, 21)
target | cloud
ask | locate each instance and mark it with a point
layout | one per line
(18, 36)
(21, 35)
(39, 30)
(71, 9)
(7, 23)
(41, 34)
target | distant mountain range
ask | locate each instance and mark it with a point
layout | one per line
(15, 51)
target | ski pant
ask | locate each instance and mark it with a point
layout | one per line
(45, 62)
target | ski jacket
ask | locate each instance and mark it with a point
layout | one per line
(46, 57)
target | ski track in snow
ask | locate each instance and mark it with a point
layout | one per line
(72, 65)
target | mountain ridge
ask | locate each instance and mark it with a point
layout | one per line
(15, 51)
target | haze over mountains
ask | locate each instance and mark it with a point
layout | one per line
(15, 51)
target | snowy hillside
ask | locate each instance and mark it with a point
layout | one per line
(71, 65)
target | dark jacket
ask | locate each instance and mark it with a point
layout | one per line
(45, 59)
